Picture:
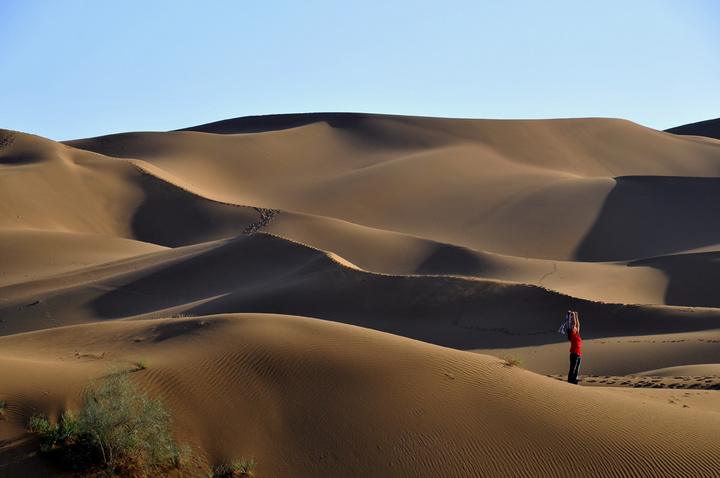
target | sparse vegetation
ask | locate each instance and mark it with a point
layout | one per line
(119, 429)
(512, 360)
(143, 364)
(51, 435)
(2, 405)
(38, 423)
(237, 468)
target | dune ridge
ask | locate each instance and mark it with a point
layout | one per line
(326, 291)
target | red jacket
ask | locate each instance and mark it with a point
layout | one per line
(575, 343)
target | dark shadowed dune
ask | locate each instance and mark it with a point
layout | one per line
(654, 216)
(708, 128)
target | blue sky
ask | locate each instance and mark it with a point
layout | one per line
(80, 68)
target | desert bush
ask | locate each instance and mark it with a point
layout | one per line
(2, 405)
(235, 469)
(38, 424)
(64, 434)
(119, 428)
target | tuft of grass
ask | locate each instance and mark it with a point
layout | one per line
(143, 364)
(237, 468)
(3, 404)
(512, 360)
(119, 429)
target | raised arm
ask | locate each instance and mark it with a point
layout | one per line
(576, 323)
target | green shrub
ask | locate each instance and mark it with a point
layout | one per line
(51, 436)
(236, 468)
(119, 429)
(2, 405)
(512, 360)
(38, 423)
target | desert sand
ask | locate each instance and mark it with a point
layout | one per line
(332, 293)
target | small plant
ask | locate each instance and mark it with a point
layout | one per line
(38, 423)
(52, 436)
(512, 360)
(120, 429)
(143, 364)
(2, 405)
(237, 468)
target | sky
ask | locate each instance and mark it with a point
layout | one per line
(82, 68)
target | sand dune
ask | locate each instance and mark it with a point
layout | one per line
(330, 292)
(29, 255)
(709, 129)
(478, 184)
(312, 398)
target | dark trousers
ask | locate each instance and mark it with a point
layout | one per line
(574, 368)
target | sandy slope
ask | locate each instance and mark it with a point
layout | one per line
(312, 398)
(437, 237)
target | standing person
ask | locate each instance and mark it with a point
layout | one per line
(575, 349)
